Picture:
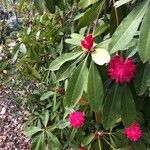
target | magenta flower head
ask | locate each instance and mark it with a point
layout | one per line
(77, 119)
(121, 70)
(133, 132)
(87, 43)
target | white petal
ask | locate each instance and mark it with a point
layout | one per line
(100, 56)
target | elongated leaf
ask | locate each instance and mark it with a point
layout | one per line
(141, 79)
(56, 64)
(39, 4)
(128, 27)
(50, 6)
(111, 108)
(144, 40)
(128, 111)
(67, 72)
(120, 3)
(85, 3)
(76, 85)
(39, 142)
(47, 95)
(45, 117)
(95, 88)
(101, 29)
(32, 130)
(118, 140)
(75, 39)
(90, 14)
(87, 140)
(54, 140)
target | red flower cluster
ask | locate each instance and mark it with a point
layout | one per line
(77, 119)
(121, 70)
(87, 43)
(134, 132)
(82, 148)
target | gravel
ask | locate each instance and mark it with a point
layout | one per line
(11, 124)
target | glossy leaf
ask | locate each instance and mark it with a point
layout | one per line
(75, 39)
(87, 140)
(111, 108)
(76, 85)
(54, 140)
(144, 40)
(95, 88)
(121, 2)
(47, 95)
(58, 62)
(32, 130)
(67, 70)
(85, 3)
(141, 78)
(128, 110)
(128, 27)
(90, 14)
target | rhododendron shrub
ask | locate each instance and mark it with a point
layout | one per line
(91, 64)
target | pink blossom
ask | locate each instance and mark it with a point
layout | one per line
(121, 70)
(77, 119)
(134, 132)
(87, 43)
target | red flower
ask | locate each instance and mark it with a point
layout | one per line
(82, 148)
(77, 119)
(121, 70)
(134, 132)
(87, 43)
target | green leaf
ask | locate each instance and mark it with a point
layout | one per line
(47, 95)
(75, 39)
(144, 39)
(87, 140)
(54, 140)
(128, 111)
(128, 27)
(91, 14)
(38, 142)
(104, 44)
(50, 6)
(58, 62)
(138, 145)
(45, 117)
(32, 130)
(39, 4)
(34, 72)
(20, 6)
(76, 85)
(85, 3)
(95, 88)
(23, 48)
(62, 124)
(120, 3)
(101, 29)
(118, 140)
(3, 65)
(111, 108)
(141, 78)
(70, 68)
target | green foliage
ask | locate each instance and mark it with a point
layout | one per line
(54, 75)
